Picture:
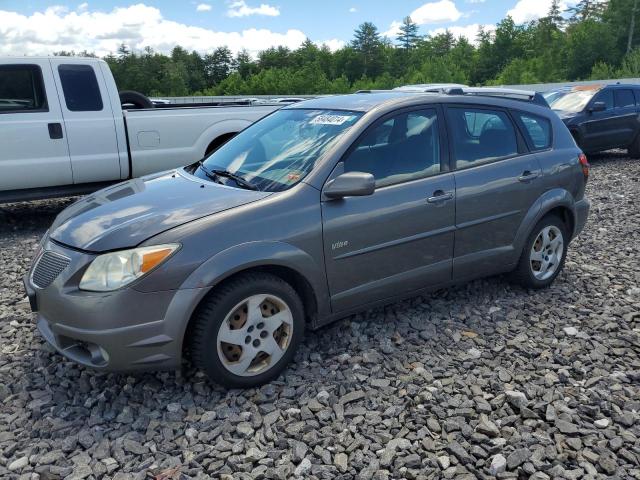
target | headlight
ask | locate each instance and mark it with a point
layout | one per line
(117, 269)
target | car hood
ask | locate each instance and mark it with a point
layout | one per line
(564, 115)
(124, 215)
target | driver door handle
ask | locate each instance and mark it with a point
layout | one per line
(527, 176)
(440, 196)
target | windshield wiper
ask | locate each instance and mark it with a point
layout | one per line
(213, 174)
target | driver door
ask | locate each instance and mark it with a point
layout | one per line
(400, 239)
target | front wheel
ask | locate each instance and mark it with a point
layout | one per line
(248, 330)
(634, 148)
(544, 254)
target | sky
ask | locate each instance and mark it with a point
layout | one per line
(41, 27)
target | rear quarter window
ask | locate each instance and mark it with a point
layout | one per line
(80, 87)
(537, 129)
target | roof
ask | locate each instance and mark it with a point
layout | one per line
(358, 102)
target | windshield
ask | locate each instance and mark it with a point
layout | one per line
(574, 101)
(279, 151)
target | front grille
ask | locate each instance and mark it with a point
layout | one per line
(48, 267)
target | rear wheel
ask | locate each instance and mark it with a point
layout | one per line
(248, 330)
(544, 254)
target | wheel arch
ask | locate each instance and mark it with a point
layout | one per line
(276, 258)
(556, 201)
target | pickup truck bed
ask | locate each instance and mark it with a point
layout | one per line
(63, 130)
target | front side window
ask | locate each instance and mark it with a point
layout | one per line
(278, 151)
(481, 136)
(624, 98)
(538, 129)
(402, 148)
(21, 89)
(606, 97)
(80, 88)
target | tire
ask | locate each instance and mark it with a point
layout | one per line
(634, 148)
(225, 314)
(533, 273)
(138, 100)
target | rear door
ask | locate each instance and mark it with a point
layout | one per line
(89, 120)
(399, 239)
(627, 115)
(33, 147)
(497, 182)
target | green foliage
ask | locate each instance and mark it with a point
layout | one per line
(589, 40)
(408, 36)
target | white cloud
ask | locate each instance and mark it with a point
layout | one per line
(393, 31)
(436, 12)
(470, 32)
(239, 8)
(54, 29)
(528, 10)
(333, 44)
(203, 7)
(353, 10)
(83, 7)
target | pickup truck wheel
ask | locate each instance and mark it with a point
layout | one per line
(138, 100)
(544, 254)
(248, 330)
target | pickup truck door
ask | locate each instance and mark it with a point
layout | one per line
(33, 147)
(89, 120)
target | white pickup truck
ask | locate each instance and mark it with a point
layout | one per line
(64, 130)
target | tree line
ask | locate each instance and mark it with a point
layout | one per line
(595, 39)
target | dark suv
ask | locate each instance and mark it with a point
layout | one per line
(322, 209)
(602, 117)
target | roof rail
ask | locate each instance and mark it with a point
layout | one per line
(509, 93)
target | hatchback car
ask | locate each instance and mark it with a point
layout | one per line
(322, 209)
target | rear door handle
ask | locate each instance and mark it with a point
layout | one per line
(55, 131)
(527, 176)
(440, 196)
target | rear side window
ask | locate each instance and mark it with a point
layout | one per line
(481, 136)
(22, 89)
(538, 129)
(624, 98)
(405, 147)
(80, 87)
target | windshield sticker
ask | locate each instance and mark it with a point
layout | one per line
(331, 119)
(293, 176)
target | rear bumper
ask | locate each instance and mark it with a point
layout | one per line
(581, 210)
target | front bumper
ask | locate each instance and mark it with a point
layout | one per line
(124, 330)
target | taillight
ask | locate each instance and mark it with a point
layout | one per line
(584, 163)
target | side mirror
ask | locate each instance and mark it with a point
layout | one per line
(350, 184)
(598, 107)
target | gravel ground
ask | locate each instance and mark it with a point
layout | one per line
(481, 380)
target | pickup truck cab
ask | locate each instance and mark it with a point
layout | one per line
(63, 130)
(602, 117)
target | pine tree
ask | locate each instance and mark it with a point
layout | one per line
(408, 36)
(555, 14)
(367, 43)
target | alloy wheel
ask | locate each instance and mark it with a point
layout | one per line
(255, 335)
(546, 253)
